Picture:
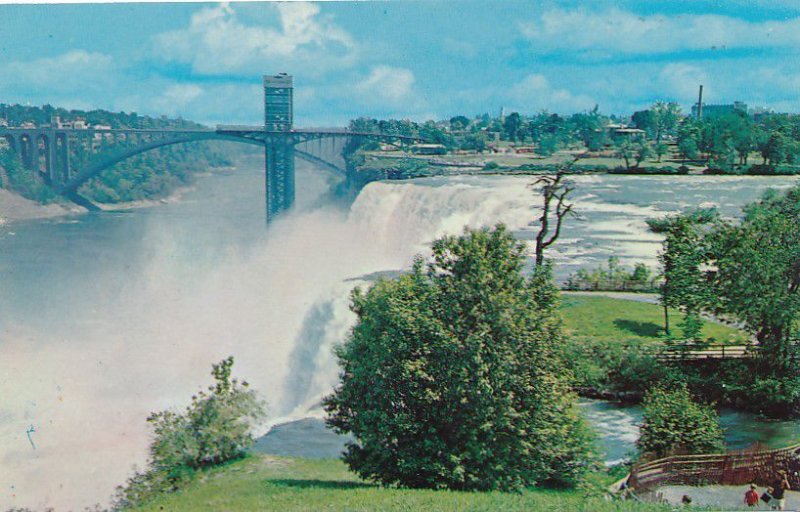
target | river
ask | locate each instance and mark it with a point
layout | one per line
(106, 317)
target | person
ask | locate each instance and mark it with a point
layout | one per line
(779, 488)
(751, 496)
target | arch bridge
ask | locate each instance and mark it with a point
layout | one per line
(65, 158)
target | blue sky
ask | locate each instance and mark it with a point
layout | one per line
(401, 59)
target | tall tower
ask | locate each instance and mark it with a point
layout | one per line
(279, 150)
(278, 92)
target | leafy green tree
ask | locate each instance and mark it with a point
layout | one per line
(675, 424)
(660, 149)
(688, 140)
(642, 151)
(755, 273)
(625, 149)
(683, 255)
(215, 428)
(512, 125)
(23, 181)
(458, 123)
(646, 120)
(452, 378)
(667, 116)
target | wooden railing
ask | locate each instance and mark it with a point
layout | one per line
(713, 351)
(735, 468)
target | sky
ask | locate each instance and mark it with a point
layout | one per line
(402, 59)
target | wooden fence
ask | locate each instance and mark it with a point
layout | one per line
(713, 351)
(735, 468)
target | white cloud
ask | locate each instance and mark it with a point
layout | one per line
(218, 42)
(209, 104)
(388, 83)
(616, 30)
(76, 72)
(535, 92)
(681, 80)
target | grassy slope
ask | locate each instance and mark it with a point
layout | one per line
(288, 484)
(608, 319)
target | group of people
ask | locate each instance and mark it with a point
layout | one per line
(774, 496)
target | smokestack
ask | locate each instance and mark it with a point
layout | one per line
(700, 103)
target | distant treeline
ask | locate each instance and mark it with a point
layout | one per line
(731, 141)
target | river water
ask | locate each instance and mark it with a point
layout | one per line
(106, 317)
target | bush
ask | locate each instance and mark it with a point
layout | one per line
(214, 429)
(674, 423)
(451, 377)
(24, 181)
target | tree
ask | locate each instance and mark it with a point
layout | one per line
(451, 376)
(682, 258)
(755, 273)
(667, 116)
(646, 120)
(625, 149)
(458, 123)
(688, 139)
(660, 150)
(553, 188)
(215, 428)
(676, 424)
(642, 151)
(512, 125)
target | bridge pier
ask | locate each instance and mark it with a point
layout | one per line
(279, 175)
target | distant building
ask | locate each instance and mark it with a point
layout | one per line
(623, 130)
(712, 111)
(428, 149)
(3, 123)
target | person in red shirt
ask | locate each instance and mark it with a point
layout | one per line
(751, 496)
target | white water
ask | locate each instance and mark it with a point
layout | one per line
(143, 333)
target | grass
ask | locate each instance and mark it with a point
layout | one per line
(625, 321)
(265, 483)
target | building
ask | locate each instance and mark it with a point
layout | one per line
(278, 91)
(712, 111)
(428, 149)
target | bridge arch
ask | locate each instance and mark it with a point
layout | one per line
(93, 170)
(42, 155)
(26, 150)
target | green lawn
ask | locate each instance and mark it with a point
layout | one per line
(625, 321)
(287, 484)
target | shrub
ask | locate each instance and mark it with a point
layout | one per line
(214, 429)
(674, 423)
(451, 377)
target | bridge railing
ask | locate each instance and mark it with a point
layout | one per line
(734, 468)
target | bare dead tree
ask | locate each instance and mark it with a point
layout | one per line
(555, 191)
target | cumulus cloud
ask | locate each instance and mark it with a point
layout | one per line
(388, 83)
(218, 42)
(535, 92)
(617, 30)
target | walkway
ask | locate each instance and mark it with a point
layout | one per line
(725, 497)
